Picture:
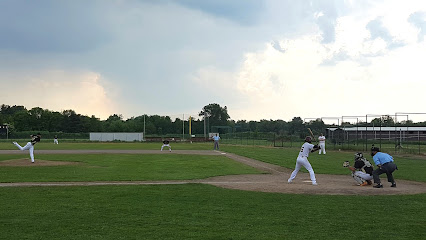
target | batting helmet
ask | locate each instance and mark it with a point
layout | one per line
(308, 139)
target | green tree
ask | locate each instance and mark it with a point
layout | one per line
(253, 126)
(21, 121)
(383, 121)
(217, 116)
(95, 124)
(241, 126)
(297, 127)
(317, 126)
(7, 112)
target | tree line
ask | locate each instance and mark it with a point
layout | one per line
(213, 118)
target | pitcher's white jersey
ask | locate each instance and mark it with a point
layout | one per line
(321, 139)
(305, 150)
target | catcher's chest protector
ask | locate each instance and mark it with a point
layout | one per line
(364, 165)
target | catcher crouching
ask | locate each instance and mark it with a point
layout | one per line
(362, 171)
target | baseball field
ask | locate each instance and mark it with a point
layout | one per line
(134, 191)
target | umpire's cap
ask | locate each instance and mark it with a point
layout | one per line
(375, 149)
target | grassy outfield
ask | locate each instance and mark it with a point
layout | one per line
(196, 211)
(74, 145)
(123, 167)
(411, 167)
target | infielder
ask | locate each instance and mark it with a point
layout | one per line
(386, 165)
(321, 140)
(362, 171)
(302, 160)
(166, 143)
(30, 145)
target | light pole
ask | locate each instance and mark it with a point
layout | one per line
(183, 127)
(144, 133)
(205, 116)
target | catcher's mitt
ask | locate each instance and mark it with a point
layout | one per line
(346, 164)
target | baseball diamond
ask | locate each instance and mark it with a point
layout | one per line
(275, 181)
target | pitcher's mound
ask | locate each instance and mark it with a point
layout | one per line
(25, 162)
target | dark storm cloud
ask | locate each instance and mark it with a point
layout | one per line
(418, 19)
(50, 26)
(244, 12)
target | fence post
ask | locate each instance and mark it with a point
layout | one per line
(418, 137)
(274, 140)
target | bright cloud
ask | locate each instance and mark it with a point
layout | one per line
(365, 74)
(86, 93)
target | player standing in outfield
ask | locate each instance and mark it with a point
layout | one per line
(362, 171)
(55, 140)
(30, 145)
(166, 143)
(216, 139)
(302, 160)
(386, 165)
(321, 140)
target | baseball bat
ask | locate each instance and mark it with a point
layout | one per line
(312, 135)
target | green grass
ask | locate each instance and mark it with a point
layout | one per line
(43, 145)
(411, 167)
(196, 211)
(123, 167)
(414, 148)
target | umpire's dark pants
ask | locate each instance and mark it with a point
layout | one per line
(387, 168)
(216, 145)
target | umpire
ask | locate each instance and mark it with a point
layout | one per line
(385, 164)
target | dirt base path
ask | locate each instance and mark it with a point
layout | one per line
(275, 180)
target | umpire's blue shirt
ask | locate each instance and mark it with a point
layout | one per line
(382, 158)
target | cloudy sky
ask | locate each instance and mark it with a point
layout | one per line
(263, 59)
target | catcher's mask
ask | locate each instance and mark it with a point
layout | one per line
(358, 155)
(308, 139)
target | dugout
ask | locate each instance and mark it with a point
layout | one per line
(119, 136)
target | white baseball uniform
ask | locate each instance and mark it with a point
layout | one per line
(29, 147)
(166, 144)
(302, 160)
(363, 170)
(361, 176)
(321, 140)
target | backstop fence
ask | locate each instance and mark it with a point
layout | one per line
(409, 143)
